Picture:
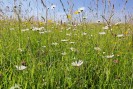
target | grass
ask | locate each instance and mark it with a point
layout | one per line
(47, 68)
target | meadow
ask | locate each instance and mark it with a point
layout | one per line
(39, 55)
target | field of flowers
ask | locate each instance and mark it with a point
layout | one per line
(65, 57)
(71, 53)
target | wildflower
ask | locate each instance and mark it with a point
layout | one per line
(21, 67)
(54, 43)
(69, 16)
(117, 23)
(64, 40)
(64, 53)
(53, 7)
(120, 35)
(37, 29)
(12, 29)
(97, 48)
(71, 42)
(109, 56)
(77, 63)
(81, 9)
(76, 12)
(74, 29)
(105, 28)
(68, 28)
(68, 34)
(41, 28)
(84, 33)
(23, 30)
(98, 21)
(102, 33)
(16, 86)
(41, 32)
(84, 17)
(72, 49)
(50, 21)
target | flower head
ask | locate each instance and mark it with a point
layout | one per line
(20, 67)
(77, 63)
(64, 40)
(84, 17)
(106, 28)
(98, 21)
(81, 9)
(102, 33)
(76, 12)
(109, 56)
(53, 7)
(12, 29)
(118, 23)
(120, 35)
(54, 43)
(97, 48)
(84, 33)
(64, 53)
(72, 49)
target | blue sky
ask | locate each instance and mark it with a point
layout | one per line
(119, 4)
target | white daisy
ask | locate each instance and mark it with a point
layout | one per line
(54, 43)
(68, 34)
(120, 35)
(84, 33)
(72, 49)
(77, 63)
(68, 28)
(105, 28)
(109, 56)
(53, 7)
(64, 40)
(12, 29)
(21, 67)
(118, 23)
(64, 53)
(102, 33)
(81, 9)
(23, 30)
(84, 17)
(97, 48)
(98, 21)
(41, 32)
(74, 29)
(35, 29)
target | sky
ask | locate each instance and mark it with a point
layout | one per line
(34, 7)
